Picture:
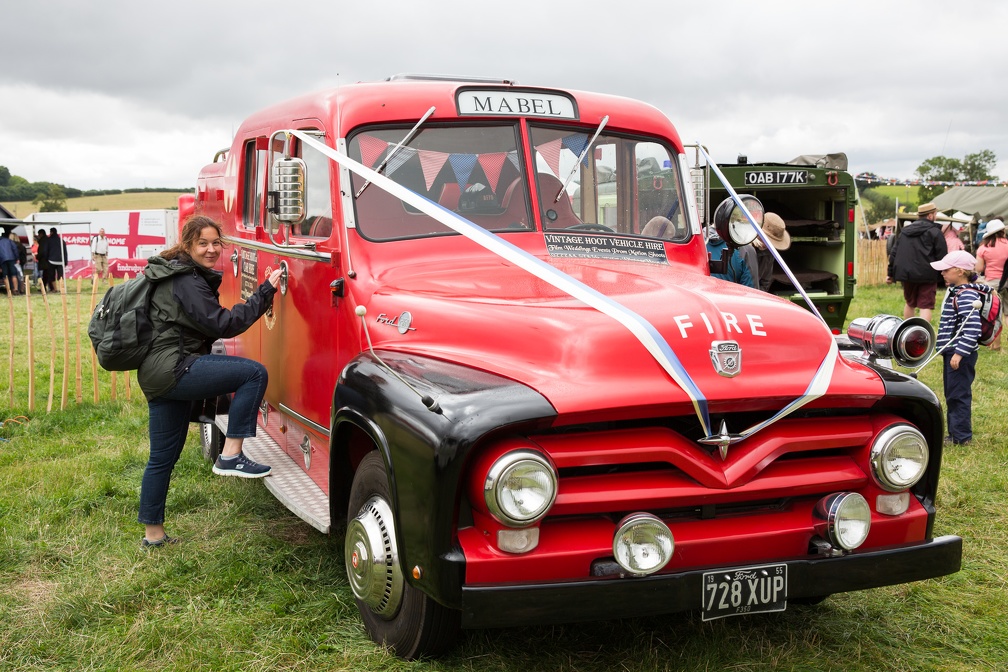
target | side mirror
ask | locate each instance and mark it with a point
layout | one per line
(732, 224)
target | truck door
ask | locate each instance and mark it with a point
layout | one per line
(299, 336)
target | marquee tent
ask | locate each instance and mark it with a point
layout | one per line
(989, 202)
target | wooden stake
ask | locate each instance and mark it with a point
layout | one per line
(78, 394)
(52, 348)
(126, 375)
(114, 377)
(10, 359)
(94, 357)
(66, 345)
(31, 349)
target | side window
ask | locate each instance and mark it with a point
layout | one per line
(254, 183)
(318, 194)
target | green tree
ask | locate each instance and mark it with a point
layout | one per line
(973, 167)
(979, 166)
(53, 200)
(877, 206)
(4, 176)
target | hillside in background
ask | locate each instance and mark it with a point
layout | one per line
(146, 200)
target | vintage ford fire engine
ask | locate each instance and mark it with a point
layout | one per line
(530, 407)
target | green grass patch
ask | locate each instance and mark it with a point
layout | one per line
(253, 588)
(141, 200)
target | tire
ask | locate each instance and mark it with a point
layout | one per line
(395, 614)
(212, 439)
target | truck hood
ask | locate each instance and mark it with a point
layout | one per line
(499, 318)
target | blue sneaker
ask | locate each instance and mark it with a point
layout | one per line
(240, 466)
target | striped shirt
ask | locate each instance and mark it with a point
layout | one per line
(958, 314)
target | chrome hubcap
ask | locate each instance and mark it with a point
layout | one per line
(372, 560)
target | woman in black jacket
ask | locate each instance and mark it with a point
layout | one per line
(187, 318)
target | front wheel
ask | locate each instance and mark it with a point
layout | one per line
(212, 439)
(394, 613)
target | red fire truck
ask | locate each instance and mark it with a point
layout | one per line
(529, 408)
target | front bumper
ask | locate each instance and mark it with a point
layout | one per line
(610, 599)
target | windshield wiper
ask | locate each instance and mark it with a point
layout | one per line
(388, 157)
(605, 120)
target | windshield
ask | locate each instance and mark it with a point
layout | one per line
(622, 185)
(473, 170)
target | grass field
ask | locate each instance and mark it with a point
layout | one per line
(253, 588)
(146, 200)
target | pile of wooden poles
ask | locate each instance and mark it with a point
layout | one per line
(79, 326)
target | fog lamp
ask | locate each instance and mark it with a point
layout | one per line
(520, 488)
(899, 457)
(844, 519)
(643, 544)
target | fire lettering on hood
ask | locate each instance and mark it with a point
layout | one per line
(730, 320)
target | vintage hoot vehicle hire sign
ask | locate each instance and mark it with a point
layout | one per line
(499, 356)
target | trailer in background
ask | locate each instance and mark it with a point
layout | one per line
(133, 235)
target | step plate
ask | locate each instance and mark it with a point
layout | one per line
(287, 481)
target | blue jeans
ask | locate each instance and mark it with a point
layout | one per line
(958, 384)
(208, 376)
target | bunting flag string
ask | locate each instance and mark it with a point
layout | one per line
(550, 152)
(872, 179)
(371, 149)
(462, 165)
(492, 164)
(576, 142)
(432, 162)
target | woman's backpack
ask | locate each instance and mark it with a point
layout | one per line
(120, 329)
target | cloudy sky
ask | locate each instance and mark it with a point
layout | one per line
(128, 93)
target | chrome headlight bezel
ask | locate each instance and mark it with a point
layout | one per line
(498, 495)
(897, 447)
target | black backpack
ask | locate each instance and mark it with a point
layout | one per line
(121, 330)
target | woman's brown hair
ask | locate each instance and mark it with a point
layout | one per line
(190, 235)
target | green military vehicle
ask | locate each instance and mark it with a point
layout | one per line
(816, 197)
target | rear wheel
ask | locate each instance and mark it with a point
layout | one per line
(212, 439)
(394, 613)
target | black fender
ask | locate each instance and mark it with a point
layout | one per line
(426, 447)
(907, 397)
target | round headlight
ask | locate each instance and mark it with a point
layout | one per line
(899, 457)
(847, 519)
(520, 488)
(643, 544)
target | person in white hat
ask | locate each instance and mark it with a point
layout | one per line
(991, 258)
(958, 333)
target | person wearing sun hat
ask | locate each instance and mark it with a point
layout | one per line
(992, 258)
(958, 333)
(776, 232)
(918, 244)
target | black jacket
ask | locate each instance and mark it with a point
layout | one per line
(187, 317)
(920, 243)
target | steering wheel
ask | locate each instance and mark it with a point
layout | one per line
(589, 226)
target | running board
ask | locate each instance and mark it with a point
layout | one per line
(287, 481)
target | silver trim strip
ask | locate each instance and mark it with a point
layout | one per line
(310, 255)
(324, 431)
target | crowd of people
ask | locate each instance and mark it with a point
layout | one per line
(45, 259)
